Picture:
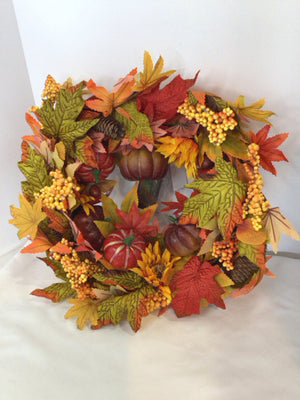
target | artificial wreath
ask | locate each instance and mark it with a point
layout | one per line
(115, 260)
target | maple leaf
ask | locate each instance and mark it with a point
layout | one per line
(194, 282)
(138, 125)
(39, 245)
(128, 280)
(267, 147)
(151, 74)
(184, 128)
(163, 103)
(61, 122)
(27, 217)
(275, 224)
(136, 220)
(35, 171)
(222, 195)
(58, 221)
(253, 111)
(175, 205)
(85, 310)
(111, 310)
(106, 101)
(56, 292)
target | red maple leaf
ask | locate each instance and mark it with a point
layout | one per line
(267, 147)
(175, 205)
(194, 282)
(159, 103)
(136, 220)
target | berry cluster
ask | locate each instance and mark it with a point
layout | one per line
(51, 89)
(224, 251)
(56, 195)
(217, 123)
(255, 204)
(156, 301)
(78, 271)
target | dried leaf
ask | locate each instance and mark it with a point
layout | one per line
(253, 111)
(39, 245)
(27, 217)
(56, 292)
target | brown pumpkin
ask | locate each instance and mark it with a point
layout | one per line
(143, 164)
(182, 240)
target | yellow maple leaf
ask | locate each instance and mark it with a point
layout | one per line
(253, 111)
(85, 310)
(27, 217)
(151, 74)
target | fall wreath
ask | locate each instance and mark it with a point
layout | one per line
(115, 260)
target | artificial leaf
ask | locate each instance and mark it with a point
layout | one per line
(184, 128)
(268, 151)
(61, 122)
(111, 310)
(56, 292)
(253, 111)
(35, 171)
(27, 217)
(234, 146)
(85, 310)
(58, 221)
(163, 103)
(209, 241)
(106, 101)
(178, 205)
(109, 209)
(35, 125)
(56, 266)
(194, 282)
(275, 224)
(130, 198)
(39, 245)
(136, 220)
(222, 195)
(247, 234)
(126, 279)
(256, 254)
(84, 151)
(208, 148)
(105, 227)
(138, 125)
(151, 74)
(197, 97)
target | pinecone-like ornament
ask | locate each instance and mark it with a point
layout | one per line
(110, 126)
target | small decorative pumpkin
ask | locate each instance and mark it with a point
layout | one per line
(123, 247)
(143, 164)
(86, 173)
(88, 228)
(182, 240)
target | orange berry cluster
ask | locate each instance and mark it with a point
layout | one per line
(224, 251)
(78, 271)
(156, 301)
(255, 204)
(55, 196)
(51, 89)
(217, 123)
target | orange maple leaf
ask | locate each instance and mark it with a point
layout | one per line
(106, 101)
(267, 147)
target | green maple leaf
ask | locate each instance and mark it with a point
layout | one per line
(61, 122)
(111, 310)
(138, 125)
(127, 279)
(35, 171)
(56, 292)
(220, 196)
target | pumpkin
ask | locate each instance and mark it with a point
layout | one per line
(87, 173)
(123, 247)
(143, 164)
(87, 226)
(182, 240)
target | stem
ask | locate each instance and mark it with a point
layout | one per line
(148, 191)
(128, 240)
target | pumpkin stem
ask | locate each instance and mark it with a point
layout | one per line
(128, 240)
(96, 173)
(148, 191)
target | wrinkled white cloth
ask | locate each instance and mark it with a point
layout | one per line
(250, 351)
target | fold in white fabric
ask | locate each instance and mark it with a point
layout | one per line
(250, 351)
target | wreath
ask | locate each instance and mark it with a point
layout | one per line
(115, 260)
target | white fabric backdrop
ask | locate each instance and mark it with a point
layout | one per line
(249, 351)
(249, 48)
